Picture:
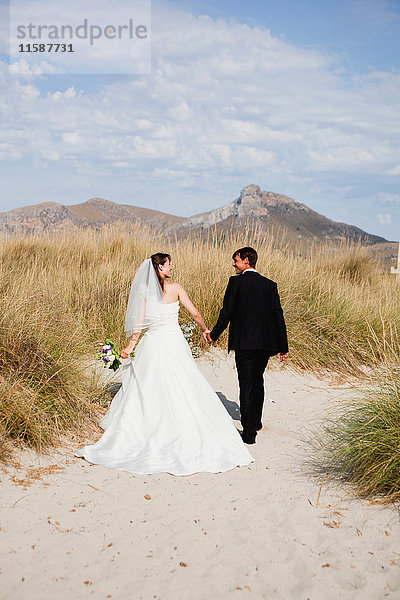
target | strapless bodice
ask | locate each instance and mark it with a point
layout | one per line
(166, 319)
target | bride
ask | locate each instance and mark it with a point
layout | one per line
(166, 417)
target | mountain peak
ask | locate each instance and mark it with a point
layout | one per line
(249, 192)
(97, 202)
(279, 212)
(254, 202)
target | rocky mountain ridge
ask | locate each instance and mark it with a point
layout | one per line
(283, 214)
(254, 206)
(96, 212)
(252, 203)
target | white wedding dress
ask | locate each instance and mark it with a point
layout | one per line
(166, 417)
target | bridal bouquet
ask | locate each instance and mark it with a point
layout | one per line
(187, 331)
(110, 355)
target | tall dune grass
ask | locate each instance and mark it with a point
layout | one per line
(359, 445)
(61, 295)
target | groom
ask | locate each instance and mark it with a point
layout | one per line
(257, 331)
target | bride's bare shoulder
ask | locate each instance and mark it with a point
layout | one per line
(174, 285)
(180, 288)
(174, 288)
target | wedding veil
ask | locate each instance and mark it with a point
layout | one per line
(145, 300)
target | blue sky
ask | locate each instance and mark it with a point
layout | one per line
(299, 97)
(363, 32)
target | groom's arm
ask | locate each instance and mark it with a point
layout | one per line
(226, 310)
(280, 321)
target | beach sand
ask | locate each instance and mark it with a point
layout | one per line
(268, 530)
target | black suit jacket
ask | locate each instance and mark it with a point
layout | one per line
(253, 309)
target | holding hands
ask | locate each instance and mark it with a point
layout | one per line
(206, 336)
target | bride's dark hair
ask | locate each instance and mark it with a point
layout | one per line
(159, 258)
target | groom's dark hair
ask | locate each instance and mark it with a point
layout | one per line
(248, 253)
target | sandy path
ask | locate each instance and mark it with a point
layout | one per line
(253, 532)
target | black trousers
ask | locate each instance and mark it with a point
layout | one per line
(250, 366)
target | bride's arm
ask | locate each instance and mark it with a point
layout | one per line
(125, 352)
(188, 304)
(137, 318)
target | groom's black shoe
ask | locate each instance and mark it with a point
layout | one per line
(248, 438)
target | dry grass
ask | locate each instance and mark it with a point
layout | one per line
(360, 443)
(61, 295)
(34, 474)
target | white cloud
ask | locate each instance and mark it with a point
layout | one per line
(395, 171)
(384, 219)
(276, 94)
(223, 101)
(22, 67)
(29, 92)
(69, 93)
(387, 199)
(72, 138)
